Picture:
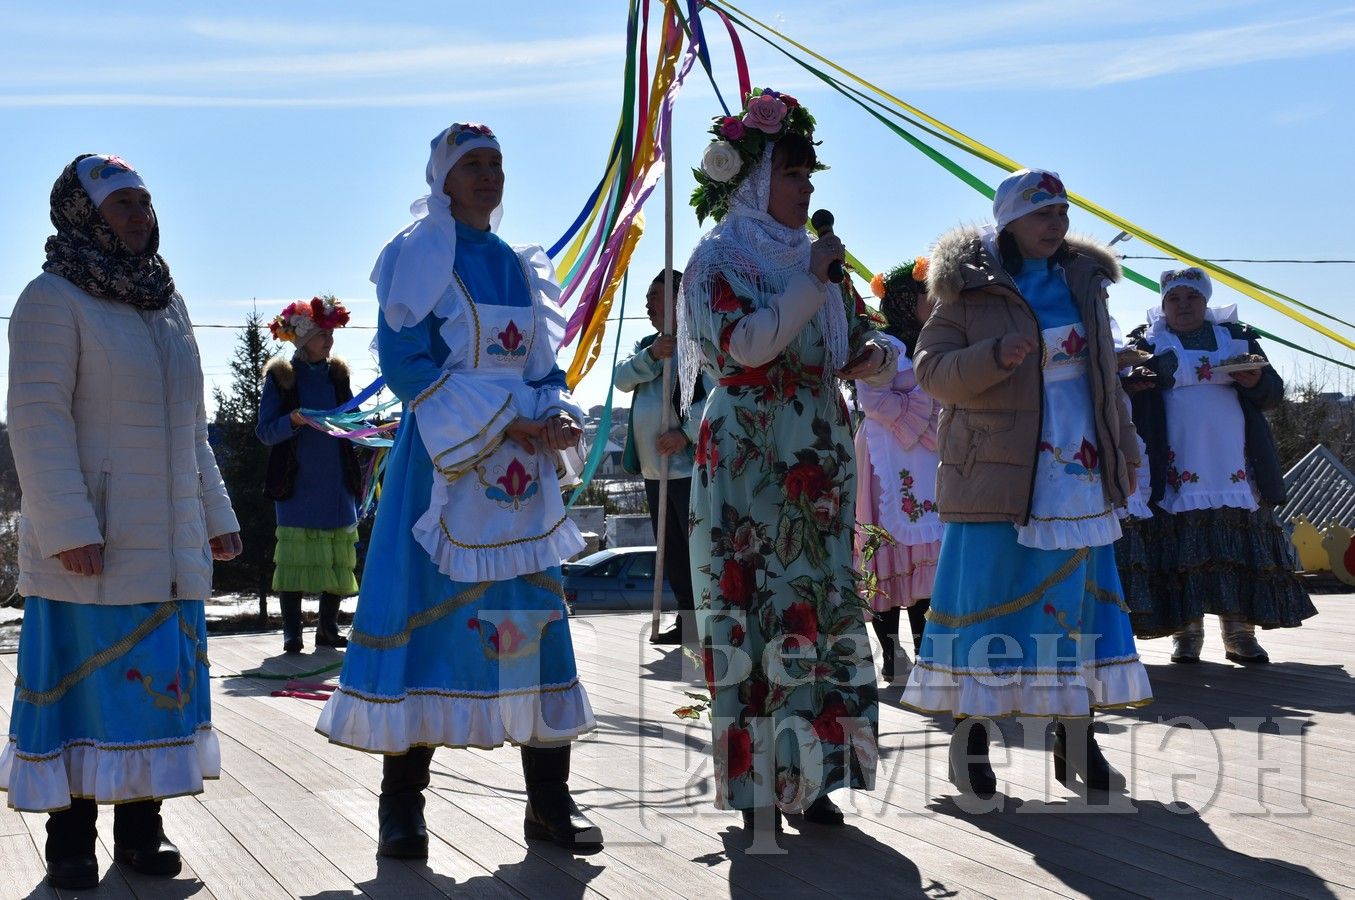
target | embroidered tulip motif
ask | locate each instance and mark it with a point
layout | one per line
(510, 342)
(176, 695)
(1084, 463)
(1204, 371)
(514, 487)
(1074, 343)
(1087, 455)
(1051, 185)
(507, 638)
(516, 479)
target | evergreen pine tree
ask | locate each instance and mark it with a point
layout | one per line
(242, 460)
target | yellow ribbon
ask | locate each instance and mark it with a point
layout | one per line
(590, 342)
(990, 155)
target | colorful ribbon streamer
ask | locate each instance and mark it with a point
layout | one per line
(1277, 301)
(615, 240)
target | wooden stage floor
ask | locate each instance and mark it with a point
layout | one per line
(1242, 784)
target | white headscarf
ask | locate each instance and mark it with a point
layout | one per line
(1025, 191)
(102, 175)
(757, 256)
(426, 249)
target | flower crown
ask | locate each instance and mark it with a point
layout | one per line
(739, 141)
(909, 278)
(305, 317)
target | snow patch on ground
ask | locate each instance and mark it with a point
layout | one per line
(218, 608)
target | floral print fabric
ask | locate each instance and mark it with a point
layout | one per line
(794, 705)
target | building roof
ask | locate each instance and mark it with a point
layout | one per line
(1320, 489)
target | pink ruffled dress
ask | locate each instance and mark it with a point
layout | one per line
(897, 460)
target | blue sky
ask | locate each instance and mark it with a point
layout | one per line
(284, 142)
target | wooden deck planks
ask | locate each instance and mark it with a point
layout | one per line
(295, 816)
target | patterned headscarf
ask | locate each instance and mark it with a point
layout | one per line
(898, 291)
(86, 252)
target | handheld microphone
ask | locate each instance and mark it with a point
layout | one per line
(822, 220)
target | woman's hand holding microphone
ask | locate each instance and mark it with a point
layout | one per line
(823, 252)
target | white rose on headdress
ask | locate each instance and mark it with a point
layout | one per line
(721, 162)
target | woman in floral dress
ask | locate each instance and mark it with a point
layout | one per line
(782, 626)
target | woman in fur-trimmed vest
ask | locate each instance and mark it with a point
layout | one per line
(313, 478)
(1037, 451)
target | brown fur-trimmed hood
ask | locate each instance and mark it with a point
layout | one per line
(959, 261)
(280, 368)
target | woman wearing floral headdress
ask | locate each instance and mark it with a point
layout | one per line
(794, 704)
(1213, 544)
(314, 479)
(123, 512)
(461, 637)
(896, 455)
(1037, 452)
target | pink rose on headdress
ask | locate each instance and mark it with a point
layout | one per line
(732, 128)
(765, 113)
(1051, 185)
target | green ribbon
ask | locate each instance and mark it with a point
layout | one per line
(982, 187)
(605, 424)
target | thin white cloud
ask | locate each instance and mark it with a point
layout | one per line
(273, 32)
(937, 25)
(524, 59)
(1299, 113)
(605, 90)
(1090, 64)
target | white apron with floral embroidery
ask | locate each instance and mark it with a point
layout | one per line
(495, 510)
(1069, 509)
(1206, 446)
(907, 476)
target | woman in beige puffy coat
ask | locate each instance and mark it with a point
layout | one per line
(123, 512)
(1037, 452)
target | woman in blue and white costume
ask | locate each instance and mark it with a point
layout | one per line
(1037, 451)
(461, 637)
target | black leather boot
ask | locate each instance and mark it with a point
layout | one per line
(399, 810)
(824, 811)
(672, 636)
(139, 839)
(1076, 752)
(751, 817)
(917, 621)
(886, 625)
(552, 814)
(290, 604)
(979, 778)
(71, 863)
(327, 631)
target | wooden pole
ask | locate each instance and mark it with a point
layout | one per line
(661, 515)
